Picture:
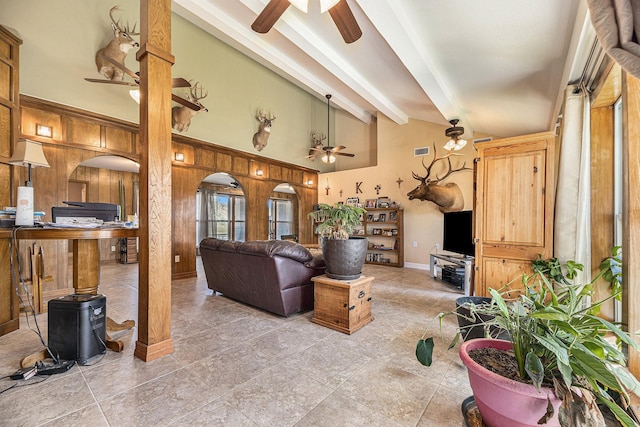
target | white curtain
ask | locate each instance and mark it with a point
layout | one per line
(617, 26)
(572, 234)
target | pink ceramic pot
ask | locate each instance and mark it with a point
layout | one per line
(503, 402)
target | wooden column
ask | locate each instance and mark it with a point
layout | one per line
(154, 293)
(631, 213)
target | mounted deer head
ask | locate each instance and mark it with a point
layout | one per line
(117, 49)
(181, 115)
(448, 197)
(261, 137)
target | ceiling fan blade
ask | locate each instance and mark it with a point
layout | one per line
(179, 82)
(345, 21)
(344, 154)
(338, 148)
(112, 82)
(182, 101)
(134, 76)
(269, 15)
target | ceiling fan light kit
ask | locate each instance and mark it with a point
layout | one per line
(454, 133)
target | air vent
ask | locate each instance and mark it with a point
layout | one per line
(483, 139)
(421, 151)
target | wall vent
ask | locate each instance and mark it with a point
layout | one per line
(483, 139)
(421, 151)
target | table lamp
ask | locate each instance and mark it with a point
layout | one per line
(27, 153)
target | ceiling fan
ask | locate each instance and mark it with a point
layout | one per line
(233, 185)
(328, 152)
(338, 9)
(175, 82)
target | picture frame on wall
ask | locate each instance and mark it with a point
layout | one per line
(370, 203)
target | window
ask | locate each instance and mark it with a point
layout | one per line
(617, 188)
(220, 215)
(280, 217)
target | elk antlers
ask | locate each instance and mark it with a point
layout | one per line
(426, 179)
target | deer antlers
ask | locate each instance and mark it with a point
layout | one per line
(436, 159)
(126, 29)
(196, 92)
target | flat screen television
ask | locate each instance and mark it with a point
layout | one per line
(458, 233)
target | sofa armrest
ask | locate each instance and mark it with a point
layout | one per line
(315, 262)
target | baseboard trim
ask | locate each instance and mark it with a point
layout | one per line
(416, 266)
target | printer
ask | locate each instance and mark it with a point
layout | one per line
(83, 211)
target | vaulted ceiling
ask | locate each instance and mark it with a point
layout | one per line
(497, 65)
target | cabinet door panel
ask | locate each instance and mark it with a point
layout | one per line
(505, 275)
(515, 203)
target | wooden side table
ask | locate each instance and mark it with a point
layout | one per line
(343, 305)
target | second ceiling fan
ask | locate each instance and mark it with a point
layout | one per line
(328, 152)
(340, 13)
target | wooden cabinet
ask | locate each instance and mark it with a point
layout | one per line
(514, 208)
(9, 119)
(129, 250)
(343, 305)
(384, 229)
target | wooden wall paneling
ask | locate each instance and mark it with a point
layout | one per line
(82, 132)
(187, 150)
(9, 315)
(296, 177)
(117, 139)
(30, 117)
(602, 204)
(240, 165)
(223, 162)
(275, 172)
(631, 219)
(185, 183)
(205, 158)
(5, 131)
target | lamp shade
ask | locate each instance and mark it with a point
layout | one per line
(28, 153)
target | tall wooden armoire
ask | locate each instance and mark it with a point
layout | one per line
(9, 119)
(514, 209)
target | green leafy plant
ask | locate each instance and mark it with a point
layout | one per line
(338, 221)
(560, 341)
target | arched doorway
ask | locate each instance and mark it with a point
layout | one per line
(283, 213)
(220, 208)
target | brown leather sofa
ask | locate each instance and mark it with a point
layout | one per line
(273, 275)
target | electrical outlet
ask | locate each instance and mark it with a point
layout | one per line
(415, 244)
(177, 258)
(437, 246)
(113, 248)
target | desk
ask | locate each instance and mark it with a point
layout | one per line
(86, 262)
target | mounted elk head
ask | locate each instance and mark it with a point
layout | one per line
(117, 49)
(181, 115)
(448, 197)
(261, 137)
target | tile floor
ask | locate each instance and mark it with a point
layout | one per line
(234, 365)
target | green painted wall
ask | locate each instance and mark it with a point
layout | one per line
(60, 39)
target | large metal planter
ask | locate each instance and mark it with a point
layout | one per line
(344, 258)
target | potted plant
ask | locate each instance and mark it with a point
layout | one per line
(562, 352)
(343, 253)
